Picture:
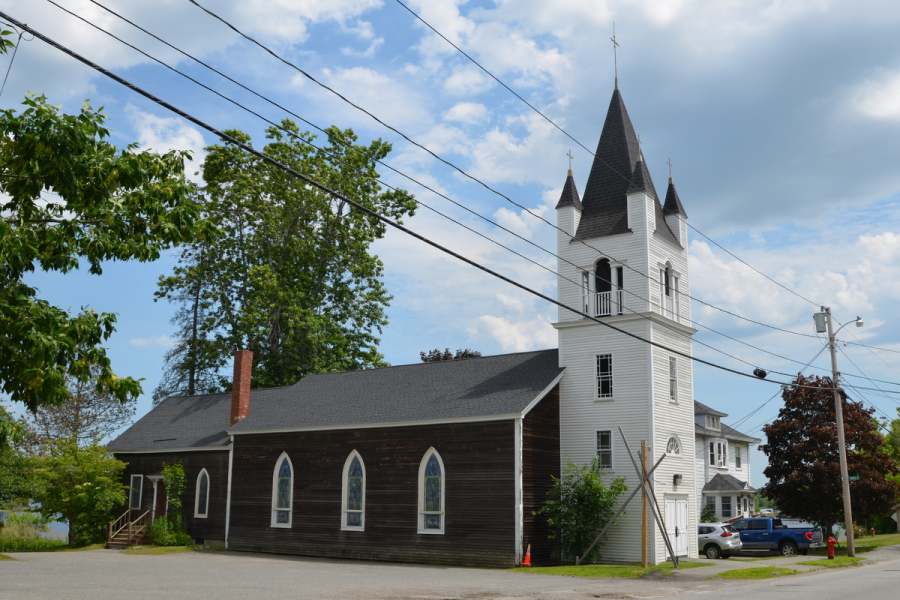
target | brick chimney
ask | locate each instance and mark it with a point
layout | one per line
(240, 387)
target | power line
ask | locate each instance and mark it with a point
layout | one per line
(362, 208)
(545, 117)
(308, 142)
(447, 162)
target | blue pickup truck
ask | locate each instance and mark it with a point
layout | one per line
(767, 534)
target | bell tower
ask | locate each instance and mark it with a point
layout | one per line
(623, 260)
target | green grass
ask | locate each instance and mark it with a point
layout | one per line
(629, 571)
(751, 559)
(836, 563)
(5, 557)
(862, 544)
(60, 547)
(28, 544)
(755, 573)
(147, 550)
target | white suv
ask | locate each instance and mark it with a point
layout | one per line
(718, 540)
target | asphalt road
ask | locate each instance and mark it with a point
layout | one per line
(109, 574)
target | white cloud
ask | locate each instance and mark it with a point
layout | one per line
(466, 112)
(467, 81)
(879, 97)
(163, 340)
(517, 336)
(162, 134)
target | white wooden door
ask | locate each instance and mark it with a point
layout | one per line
(676, 524)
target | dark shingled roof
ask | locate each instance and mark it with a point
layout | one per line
(447, 390)
(673, 202)
(179, 422)
(727, 483)
(617, 170)
(702, 409)
(569, 196)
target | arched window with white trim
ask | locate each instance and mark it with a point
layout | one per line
(431, 493)
(282, 492)
(201, 495)
(673, 448)
(353, 502)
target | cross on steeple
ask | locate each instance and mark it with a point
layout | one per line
(569, 154)
(669, 162)
(615, 55)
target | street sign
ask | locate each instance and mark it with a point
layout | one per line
(853, 478)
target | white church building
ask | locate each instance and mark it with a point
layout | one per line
(623, 259)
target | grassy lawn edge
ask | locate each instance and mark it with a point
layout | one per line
(627, 571)
(838, 562)
(756, 573)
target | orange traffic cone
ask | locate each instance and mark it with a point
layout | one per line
(527, 562)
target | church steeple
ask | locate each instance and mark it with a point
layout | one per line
(673, 202)
(618, 169)
(569, 196)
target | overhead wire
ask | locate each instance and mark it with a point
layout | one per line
(387, 221)
(448, 163)
(418, 201)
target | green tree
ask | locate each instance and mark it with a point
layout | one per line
(69, 195)
(437, 355)
(804, 468)
(292, 277)
(81, 484)
(708, 514)
(16, 480)
(87, 415)
(578, 506)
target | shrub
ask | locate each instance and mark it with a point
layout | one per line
(708, 515)
(579, 506)
(168, 531)
(24, 525)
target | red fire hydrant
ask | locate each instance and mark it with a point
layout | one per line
(831, 543)
(872, 531)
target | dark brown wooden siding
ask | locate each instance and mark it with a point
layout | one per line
(479, 504)
(540, 460)
(215, 463)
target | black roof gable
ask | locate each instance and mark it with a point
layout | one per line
(569, 196)
(486, 387)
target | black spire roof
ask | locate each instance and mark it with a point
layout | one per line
(673, 202)
(618, 169)
(569, 196)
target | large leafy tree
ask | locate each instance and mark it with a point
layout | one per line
(69, 199)
(16, 481)
(83, 484)
(804, 469)
(293, 277)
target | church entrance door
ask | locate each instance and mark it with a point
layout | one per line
(676, 524)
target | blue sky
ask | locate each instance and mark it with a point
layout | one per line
(782, 121)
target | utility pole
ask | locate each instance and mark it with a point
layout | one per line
(839, 418)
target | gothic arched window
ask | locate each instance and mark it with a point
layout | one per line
(673, 448)
(282, 492)
(201, 497)
(431, 493)
(354, 493)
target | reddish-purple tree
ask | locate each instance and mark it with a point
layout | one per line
(804, 469)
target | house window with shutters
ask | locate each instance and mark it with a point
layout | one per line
(718, 453)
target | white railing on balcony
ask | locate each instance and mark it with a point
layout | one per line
(609, 303)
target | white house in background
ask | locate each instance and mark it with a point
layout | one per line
(723, 465)
(624, 260)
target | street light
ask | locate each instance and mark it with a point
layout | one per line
(824, 322)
